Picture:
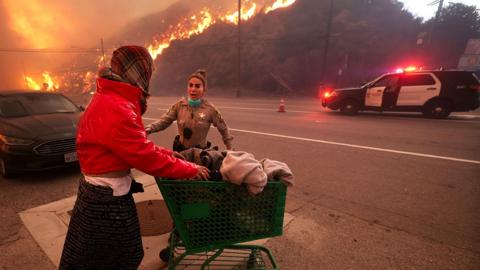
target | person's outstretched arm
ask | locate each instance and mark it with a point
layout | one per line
(165, 120)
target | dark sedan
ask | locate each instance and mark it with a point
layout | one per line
(37, 131)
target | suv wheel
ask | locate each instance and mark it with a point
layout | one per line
(5, 169)
(437, 109)
(349, 107)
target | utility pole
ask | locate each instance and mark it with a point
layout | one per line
(103, 52)
(239, 47)
(327, 39)
(435, 21)
(432, 53)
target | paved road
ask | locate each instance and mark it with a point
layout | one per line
(374, 191)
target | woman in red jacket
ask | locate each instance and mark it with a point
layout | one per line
(104, 231)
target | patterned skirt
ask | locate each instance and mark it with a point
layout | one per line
(104, 232)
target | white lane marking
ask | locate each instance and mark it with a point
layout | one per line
(352, 145)
(452, 116)
(221, 104)
(464, 116)
(272, 110)
(360, 146)
(253, 109)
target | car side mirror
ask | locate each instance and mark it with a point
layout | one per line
(81, 108)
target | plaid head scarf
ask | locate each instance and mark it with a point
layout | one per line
(134, 65)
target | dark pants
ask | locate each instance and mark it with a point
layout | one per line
(104, 232)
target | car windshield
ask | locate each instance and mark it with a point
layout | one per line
(35, 103)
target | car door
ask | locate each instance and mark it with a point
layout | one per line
(374, 94)
(417, 88)
(390, 94)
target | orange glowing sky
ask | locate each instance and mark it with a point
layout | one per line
(64, 23)
(72, 24)
(58, 24)
(40, 29)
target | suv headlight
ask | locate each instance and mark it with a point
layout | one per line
(14, 141)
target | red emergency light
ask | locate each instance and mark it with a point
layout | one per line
(407, 69)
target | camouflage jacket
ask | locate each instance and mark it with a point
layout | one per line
(194, 119)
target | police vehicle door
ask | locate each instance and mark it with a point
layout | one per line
(390, 93)
(374, 94)
(417, 88)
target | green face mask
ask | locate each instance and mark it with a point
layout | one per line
(194, 102)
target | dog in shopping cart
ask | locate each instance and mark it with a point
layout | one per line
(211, 158)
(240, 167)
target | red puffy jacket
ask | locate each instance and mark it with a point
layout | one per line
(111, 136)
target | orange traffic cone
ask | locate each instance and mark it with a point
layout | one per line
(281, 107)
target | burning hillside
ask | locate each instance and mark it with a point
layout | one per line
(190, 22)
(198, 23)
(282, 45)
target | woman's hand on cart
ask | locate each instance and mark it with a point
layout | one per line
(202, 174)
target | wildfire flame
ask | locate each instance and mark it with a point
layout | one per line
(245, 13)
(279, 4)
(88, 81)
(197, 24)
(47, 84)
(31, 84)
(193, 25)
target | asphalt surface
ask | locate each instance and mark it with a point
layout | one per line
(373, 191)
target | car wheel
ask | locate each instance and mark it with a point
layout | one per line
(5, 169)
(437, 109)
(349, 107)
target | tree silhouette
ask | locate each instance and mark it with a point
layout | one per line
(284, 49)
(457, 23)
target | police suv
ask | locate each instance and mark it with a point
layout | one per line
(435, 93)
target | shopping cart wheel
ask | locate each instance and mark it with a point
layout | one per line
(253, 261)
(165, 254)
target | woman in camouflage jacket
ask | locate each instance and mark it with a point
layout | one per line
(194, 115)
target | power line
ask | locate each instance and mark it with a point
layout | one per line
(289, 39)
(29, 50)
(76, 69)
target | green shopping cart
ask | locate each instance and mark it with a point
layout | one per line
(212, 218)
